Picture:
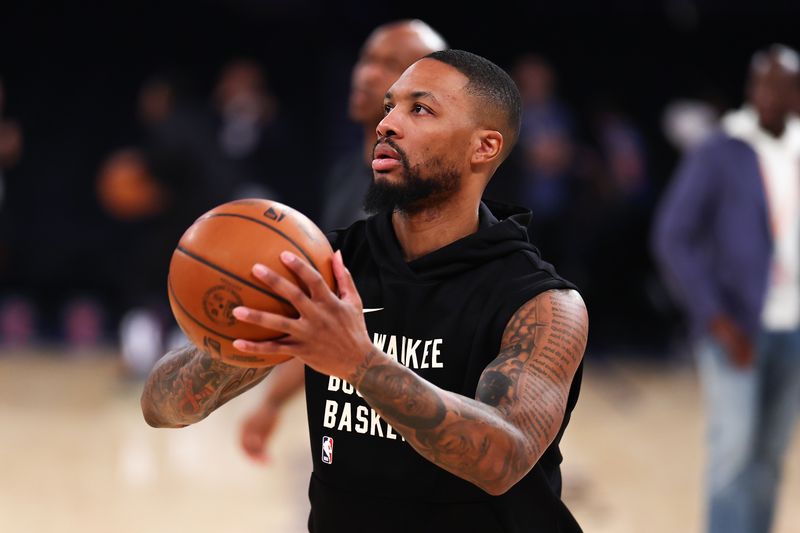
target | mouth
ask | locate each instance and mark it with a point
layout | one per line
(385, 158)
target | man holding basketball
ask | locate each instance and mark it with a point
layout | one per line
(442, 408)
(388, 51)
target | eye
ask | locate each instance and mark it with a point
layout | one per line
(419, 109)
(387, 108)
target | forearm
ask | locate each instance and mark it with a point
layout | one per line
(186, 385)
(284, 382)
(468, 438)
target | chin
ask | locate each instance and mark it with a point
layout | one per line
(393, 177)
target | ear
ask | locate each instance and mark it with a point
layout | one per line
(488, 145)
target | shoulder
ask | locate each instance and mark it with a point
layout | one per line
(720, 145)
(554, 325)
(564, 309)
(522, 278)
(550, 331)
(528, 274)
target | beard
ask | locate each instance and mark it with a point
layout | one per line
(414, 193)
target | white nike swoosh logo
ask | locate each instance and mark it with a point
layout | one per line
(373, 310)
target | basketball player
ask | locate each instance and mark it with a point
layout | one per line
(387, 52)
(442, 373)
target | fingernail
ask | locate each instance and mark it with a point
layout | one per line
(339, 253)
(239, 344)
(240, 312)
(287, 257)
(260, 270)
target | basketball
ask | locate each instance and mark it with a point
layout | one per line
(210, 273)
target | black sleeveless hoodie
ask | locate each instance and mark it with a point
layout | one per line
(443, 316)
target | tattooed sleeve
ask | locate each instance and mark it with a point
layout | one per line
(187, 384)
(495, 439)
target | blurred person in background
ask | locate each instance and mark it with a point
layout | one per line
(255, 136)
(727, 236)
(49, 213)
(611, 218)
(17, 311)
(10, 143)
(545, 181)
(153, 192)
(387, 52)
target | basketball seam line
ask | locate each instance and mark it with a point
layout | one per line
(196, 321)
(193, 319)
(221, 270)
(276, 230)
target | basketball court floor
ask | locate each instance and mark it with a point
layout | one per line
(76, 456)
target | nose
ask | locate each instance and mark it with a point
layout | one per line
(389, 126)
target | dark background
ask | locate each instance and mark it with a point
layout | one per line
(72, 73)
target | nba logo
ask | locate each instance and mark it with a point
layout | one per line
(327, 450)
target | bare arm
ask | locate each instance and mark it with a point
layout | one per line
(186, 385)
(286, 380)
(257, 428)
(494, 440)
(491, 441)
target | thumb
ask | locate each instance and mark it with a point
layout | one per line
(344, 281)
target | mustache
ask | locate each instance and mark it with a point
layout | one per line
(390, 142)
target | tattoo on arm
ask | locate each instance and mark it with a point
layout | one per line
(186, 385)
(401, 398)
(529, 381)
(495, 440)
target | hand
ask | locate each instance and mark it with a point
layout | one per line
(330, 334)
(738, 345)
(256, 431)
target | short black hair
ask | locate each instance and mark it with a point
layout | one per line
(494, 88)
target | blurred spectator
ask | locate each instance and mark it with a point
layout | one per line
(10, 143)
(623, 147)
(255, 136)
(546, 137)
(609, 217)
(543, 160)
(728, 239)
(126, 188)
(388, 51)
(17, 311)
(51, 281)
(153, 193)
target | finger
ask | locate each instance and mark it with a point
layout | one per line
(266, 320)
(308, 275)
(344, 281)
(276, 348)
(281, 286)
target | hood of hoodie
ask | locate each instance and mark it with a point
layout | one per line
(502, 230)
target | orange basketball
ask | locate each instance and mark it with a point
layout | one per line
(210, 273)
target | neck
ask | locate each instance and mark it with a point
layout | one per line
(775, 128)
(424, 232)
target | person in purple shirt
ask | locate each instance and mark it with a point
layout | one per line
(727, 238)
